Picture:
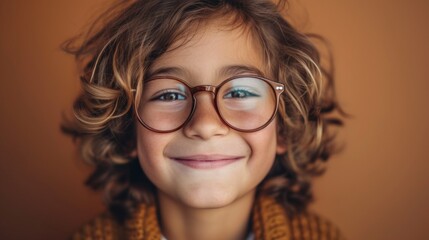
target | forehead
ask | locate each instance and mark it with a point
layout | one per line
(212, 49)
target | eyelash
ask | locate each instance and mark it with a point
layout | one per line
(162, 96)
(240, 91)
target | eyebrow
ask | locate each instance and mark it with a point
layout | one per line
(224, 72)
(166, 71)
(239, 69)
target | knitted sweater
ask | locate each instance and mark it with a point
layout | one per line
(269, 222)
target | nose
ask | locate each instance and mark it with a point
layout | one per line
(205, 121)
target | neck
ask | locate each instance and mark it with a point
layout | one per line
(180, 222)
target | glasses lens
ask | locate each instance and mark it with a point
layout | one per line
(165, 104)
(246, 103)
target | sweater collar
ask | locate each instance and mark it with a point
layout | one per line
(269, 221)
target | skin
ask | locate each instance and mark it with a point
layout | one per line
(208, 203)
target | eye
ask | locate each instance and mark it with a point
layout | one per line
(240, 93)
(169, 96)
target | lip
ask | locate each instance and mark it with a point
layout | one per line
(207, 161)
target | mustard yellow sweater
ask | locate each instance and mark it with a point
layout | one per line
(269, 223)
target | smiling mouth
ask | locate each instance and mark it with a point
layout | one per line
(207, 161)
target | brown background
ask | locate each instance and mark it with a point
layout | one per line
(377, 188)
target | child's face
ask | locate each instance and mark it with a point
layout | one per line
(198, 183)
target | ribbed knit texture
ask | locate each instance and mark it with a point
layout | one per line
(269, 222)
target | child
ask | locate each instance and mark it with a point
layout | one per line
(204, 120)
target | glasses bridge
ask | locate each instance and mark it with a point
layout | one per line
(203, 88)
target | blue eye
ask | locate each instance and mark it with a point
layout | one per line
(240, 93)
(169, 97)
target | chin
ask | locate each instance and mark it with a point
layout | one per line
(209, 198)
(210, 204)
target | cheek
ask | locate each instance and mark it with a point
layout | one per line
(264, 141)
(263, 145)
(150, 148)
(145, 144)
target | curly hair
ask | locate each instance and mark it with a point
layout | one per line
(120, 47)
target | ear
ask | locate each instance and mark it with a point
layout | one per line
(281, 148)
(133, 153)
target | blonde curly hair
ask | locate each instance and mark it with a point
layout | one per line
(120, 47)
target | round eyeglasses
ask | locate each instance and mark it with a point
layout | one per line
(244, 103)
